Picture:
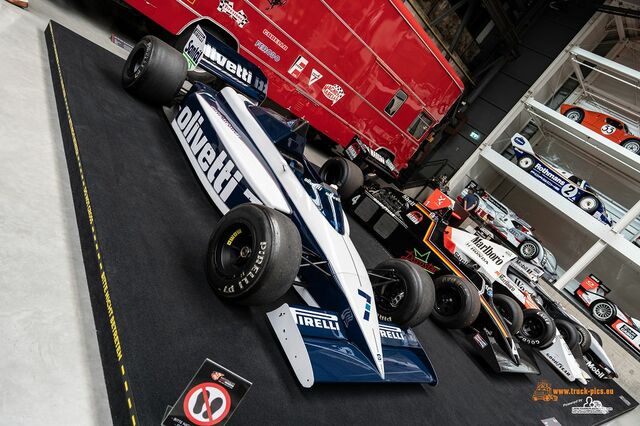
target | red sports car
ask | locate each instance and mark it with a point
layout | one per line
(611, 128)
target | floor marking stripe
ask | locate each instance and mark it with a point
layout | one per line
(87, 201)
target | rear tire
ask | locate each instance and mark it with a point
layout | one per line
(510, 311)
(584, 337)
(526, 162)
(344, 174)
(528, 250)
(154, 71)
(632, 145)
(575, 114)
(457, 302)
(254, 255)
(569, 333)
(538, 329)
(409, 301)
(589, 203)
(603, 311)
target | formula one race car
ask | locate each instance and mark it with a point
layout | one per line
(284, 223)
(464, 292)
(509, 228)
(592, 293)
(571, 187)
(609, 127)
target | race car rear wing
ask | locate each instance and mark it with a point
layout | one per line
(318, 350)
(205, 51)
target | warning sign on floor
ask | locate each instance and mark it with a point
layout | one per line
(209, 399)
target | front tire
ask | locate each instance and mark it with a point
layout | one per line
(457, 302)
(569, 333)
(154, 71)
(632, 145)
(538, 329)
(589, 204)
(584, 337)
(409, 299)
(344, 174)
(510, 311)
(526, 162)
(575, 114)
(528, 250)
(254, 255)
(603, 311)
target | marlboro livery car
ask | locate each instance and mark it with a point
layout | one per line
(609, 127)
(464, 295)
(283, 223)
(571, 187)
(592, 292)
(509, 228)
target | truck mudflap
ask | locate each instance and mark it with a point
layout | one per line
(204, 50)
(318, 350)
(497, 358)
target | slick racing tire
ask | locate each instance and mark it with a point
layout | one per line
(409, 299)
(510, 311)
(569, 333)
(584, 337)
(344, 174)
(575, 114)
(457, 302)
(603, 311)
(589, 203)
(596, 336)
(254, 255)
(526, 162)
(528, 250)
(538, 329)
(154, 71)
(632, 145)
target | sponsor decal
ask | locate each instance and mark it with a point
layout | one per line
(194, 48)
(595, 370)
(421, 259)
(367, 304)
(347, 316)
(544, 171)
(298, 66)
(519, 140)
(438, 200)
(220, 171)
(371, 152)
(480, 340)
(486, 249)
(391, 332)
(267, 51)
(627, 331)
(591, 406)
(226, 7)
(315, 319)
(559, 365)
(315, 76)
(333, 92)
(231, 67)
(275, 39)
(415, 217)
(607, 129)
(219, 377)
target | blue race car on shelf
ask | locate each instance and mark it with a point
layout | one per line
(571, 187)
(283, 224)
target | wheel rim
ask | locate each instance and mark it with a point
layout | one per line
(574, 116)
(235, 249)
(528, 250)
(448, 302)
(525, 162)
(602, 311)
(588, 203)
(136, 61)
(390, 297)
(532, 328)
(633, 146)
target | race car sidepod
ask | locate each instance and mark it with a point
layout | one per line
(317, 345)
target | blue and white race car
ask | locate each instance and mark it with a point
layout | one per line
(283, 223)
(571, 187)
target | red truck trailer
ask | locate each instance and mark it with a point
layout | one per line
(363, 73)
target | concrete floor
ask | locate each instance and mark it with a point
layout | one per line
(49, 361)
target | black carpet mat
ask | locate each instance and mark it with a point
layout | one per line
(144, 223)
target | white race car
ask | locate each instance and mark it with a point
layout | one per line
(283, 223)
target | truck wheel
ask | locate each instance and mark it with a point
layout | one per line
(457, 302)
(589, 203)
(603, 311)
(584, 337)
(510, 311)
(528, 250)
(569, 333)
(405, 295)
(526, 162)
(154, 71)
(342, 173)
(632, 145)
(254, 255)
(538, 329)
(574, 114)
